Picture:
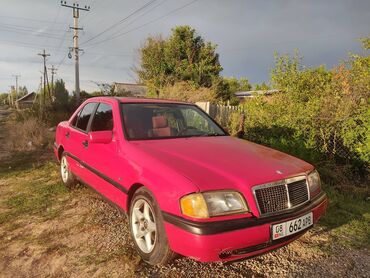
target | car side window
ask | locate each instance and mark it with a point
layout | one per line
(103, 118)
(74, 120)
(84, 116)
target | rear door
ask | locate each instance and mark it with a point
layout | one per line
(77, 139)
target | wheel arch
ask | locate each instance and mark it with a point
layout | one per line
(60, 152)
(131, 193)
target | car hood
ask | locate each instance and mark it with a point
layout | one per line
(223, 162)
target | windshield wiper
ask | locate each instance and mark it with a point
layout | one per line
(210, 134)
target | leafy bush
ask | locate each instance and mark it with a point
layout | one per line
(184, 91)
(319, 114)
(27, 134)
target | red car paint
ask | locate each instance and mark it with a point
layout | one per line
(173, 168)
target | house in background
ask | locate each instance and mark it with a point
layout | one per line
(26, 101)
(130, 89)
(250, 94)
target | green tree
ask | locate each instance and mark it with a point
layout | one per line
(4, 98)
(263, 86)
(184, 56)
(22, 91)
(237, 85)
(60, 94)
(226, 87)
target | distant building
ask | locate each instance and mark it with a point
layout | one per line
(130, 89)
(26, 101)
(250, 94)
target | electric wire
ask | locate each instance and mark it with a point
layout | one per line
(120, 22)
(143, 25)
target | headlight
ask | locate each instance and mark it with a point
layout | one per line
(213, 203)
(314, 183)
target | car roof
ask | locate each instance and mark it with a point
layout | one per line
(139, 100)
(148, 100)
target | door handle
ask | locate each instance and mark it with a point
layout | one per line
(85, 143)
(67, 134)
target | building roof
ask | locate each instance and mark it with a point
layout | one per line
(255, 92)
(26, 97)
(131, 88)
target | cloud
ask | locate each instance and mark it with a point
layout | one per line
(247, 34)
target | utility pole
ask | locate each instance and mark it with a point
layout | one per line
(16, 85)
(53, 72)
(76, 14)
(11, 100)
(44, 55)
(40, 100)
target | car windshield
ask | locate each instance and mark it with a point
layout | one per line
(167, 120)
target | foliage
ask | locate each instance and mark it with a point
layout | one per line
(184, 56)
(61, 95)
(22, 91)
(348, 218)
(3, 98)
(263, 86)
(226, 87)
(185, 91)
(319, 113)
(27, 134)
(236, 85)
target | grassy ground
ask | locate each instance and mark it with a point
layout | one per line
(47, 229)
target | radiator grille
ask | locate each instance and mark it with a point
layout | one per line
(297, 192)
(276, 198)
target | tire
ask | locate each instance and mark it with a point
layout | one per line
(146, 225)
(67, 177)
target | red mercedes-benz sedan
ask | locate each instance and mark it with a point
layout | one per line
(187, 186)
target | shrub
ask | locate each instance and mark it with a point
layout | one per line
(184, 91)
(27, 134)
(320, 114)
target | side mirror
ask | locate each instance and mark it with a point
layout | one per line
(102, 137)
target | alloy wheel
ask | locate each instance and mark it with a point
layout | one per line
(143, 225)
(64, 169)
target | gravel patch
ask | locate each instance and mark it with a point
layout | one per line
(313, 255)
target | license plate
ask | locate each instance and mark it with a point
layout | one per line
(292, 226)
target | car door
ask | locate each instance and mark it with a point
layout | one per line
(77, 140)
(103, 158)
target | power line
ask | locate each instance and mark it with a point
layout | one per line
(27, 27)
(27, 33)
(62, 61)
(29, 19)
(140, 16)
(145, 24)
(52, 26)
(25, 44)
(90, 17)
(121, 21)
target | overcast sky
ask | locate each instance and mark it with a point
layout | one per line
(247, 34)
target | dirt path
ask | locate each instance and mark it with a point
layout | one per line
(47, 230)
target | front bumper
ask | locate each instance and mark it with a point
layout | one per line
(233, 239)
